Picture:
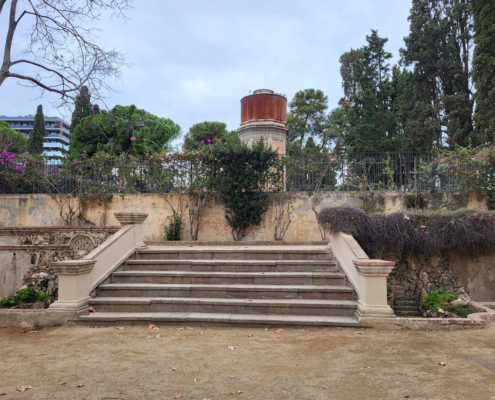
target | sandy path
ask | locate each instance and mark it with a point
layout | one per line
(318, 363)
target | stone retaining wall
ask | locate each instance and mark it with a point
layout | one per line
(25, 253)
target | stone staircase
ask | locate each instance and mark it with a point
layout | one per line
(235, 285)
(404, 305)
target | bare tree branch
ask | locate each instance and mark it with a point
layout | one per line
(62, 54)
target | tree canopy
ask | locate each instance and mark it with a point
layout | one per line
(123, 130)
(11, 141)
(207, 130)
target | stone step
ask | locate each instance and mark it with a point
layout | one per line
(222, 305)
(409, 313)
(212, 319)
(235, 253)
(232, 265)
(406, 308)
(329, 292)
(407, 303)
(253, 278)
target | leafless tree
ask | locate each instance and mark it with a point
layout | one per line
(61, 55)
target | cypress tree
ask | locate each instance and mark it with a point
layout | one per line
(484, 68)
(82, 108)
(437, 48)
(35, 141)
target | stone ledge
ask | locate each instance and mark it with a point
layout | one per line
(73, 267)
(130, 218)
(44, 229)
(374, 267)
(30, 318)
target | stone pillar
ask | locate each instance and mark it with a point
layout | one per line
(137, 220)
(372, 304)
(73, 287)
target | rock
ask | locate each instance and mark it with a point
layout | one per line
(458, 302)
(441, 311)
(44, 275)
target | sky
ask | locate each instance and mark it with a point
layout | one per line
(193, 60)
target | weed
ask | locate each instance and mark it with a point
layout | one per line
(390, 289)
(433, 300)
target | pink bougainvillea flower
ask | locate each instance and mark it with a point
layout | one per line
(203, 141)
(209, 140)
(133, 138)
(184, 150)
(219, 140)
(84, 151)
(211, 148)
(199, 151)
(75, 167)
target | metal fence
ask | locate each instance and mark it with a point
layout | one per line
(302, 173)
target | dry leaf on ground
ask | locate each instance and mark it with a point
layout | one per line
(231, 348)
(85, 358)
(80, 385)
(217, 334)
(122, 328)
(87, 313)
(179, 329)
(33, 331)
(201, 333)
(266, 329)
(359, 333)
(178, 396)
(302, 330)
(256, 338)
(153, 326)
(62, 383)
(442, 363)
(195, 380)
(249, 335)
(92, 309)
(172, 369)
(152, 337)
(24, 388)
(279, 331)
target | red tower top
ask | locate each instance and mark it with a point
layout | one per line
(264, 105)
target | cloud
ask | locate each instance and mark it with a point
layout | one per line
(193, 60)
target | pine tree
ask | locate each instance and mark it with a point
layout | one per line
(367, 102)
(35, 141)
(484, 68)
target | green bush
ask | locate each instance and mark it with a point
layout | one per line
(433, 300)
(8, 302)
(390, 289)
(245, 178)
(172, 230)
(24, 296)
(461, 311)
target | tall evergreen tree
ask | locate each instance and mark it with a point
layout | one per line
(307, 117)
(484, 68)
(368, 116)
(438, 48)
(82, 108)
(35, 141)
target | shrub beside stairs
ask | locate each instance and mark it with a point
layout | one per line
(242, 285)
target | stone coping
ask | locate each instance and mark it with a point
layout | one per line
(370, 263)
(73, 267)
(10, 310)
(129, 218)
(235, 243)
(112, 239)
(475, 320)
(355, 247)
(9, 230)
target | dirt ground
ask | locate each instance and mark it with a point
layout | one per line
(317, 363)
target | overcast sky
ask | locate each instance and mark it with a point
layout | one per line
(193, 60)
